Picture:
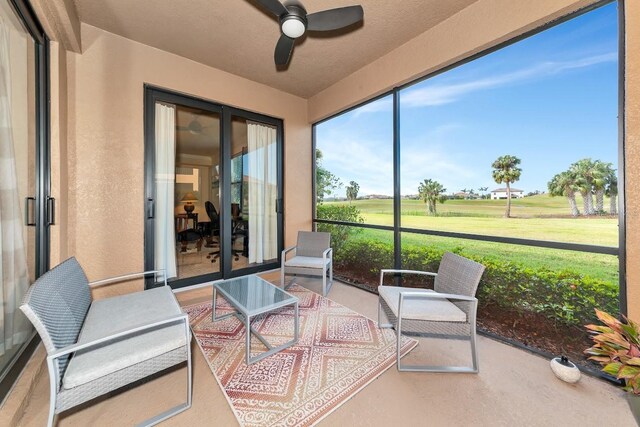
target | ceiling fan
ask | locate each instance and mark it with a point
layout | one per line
(294, 22)
(194, 127)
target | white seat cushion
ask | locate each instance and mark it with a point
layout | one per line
(436, 310)
(119, 313)
(306, 261)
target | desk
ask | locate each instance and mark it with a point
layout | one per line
(182, 221)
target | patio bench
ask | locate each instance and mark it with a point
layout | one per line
(96, 347)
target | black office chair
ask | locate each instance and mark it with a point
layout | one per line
(213, 231)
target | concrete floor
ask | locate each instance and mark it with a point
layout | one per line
(513, 387)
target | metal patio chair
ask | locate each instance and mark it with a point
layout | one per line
(312, 255)
(448, 311)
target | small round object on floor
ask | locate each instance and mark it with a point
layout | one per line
(564, 369)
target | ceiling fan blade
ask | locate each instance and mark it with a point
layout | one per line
(283, 50)
(274, 6)
(334, 19)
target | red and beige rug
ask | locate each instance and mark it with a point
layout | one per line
(339, 352)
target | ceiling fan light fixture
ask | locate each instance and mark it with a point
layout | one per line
(293, 27)
(195, 127)
(294, 22)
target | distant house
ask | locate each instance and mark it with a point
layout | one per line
(501, 193)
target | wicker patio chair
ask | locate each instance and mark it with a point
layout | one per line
(97, 347)
(448, 311)
(312, 255)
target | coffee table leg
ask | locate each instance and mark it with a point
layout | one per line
(213, 314)
(296, 323)
(248, 332)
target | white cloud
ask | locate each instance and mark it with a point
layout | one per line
(385, 104)
(370, 162)
(428, 157)
(439, 94)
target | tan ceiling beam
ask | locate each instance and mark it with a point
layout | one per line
(60, 21)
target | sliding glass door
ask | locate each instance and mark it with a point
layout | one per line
(254, 193)
(26, 210)
(213, 189)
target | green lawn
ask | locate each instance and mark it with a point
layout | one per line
(540, 205)
(533, 218)
(538, 217)
(597, 266)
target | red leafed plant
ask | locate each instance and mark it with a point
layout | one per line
(617, 349)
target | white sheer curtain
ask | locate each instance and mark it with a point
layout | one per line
(14, 271)
(263, 191)
(165, 163)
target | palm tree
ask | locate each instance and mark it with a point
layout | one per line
(482, 191)
(586, 172)
(352, 191)
(565, 184)
(601, 178)
(430, 192)
(612, 191)
(506, 170)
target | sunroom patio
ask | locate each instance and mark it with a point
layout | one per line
(514, 387)
(87, 119)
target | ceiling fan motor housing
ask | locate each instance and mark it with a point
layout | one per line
(294, 23)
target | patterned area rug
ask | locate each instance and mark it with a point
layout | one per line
(339, 352)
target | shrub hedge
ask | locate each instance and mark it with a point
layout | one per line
(339, 233)
(567, 297)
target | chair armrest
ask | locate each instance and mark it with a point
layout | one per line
(182, 317)
(287, 250)
(328, 253)
(125, 277)
(436, 295)
(391, 270)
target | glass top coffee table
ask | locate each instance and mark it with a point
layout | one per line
(252, 296)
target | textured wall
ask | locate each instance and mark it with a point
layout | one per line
(59, 172)
(106, 143)
(632, 154)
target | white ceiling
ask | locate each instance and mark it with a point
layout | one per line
(239, 37)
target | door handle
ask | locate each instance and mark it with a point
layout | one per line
(28, 203)
(51, 211)
(150, 208)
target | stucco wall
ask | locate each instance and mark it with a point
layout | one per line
(632, 155)
(106, 143)
(59, 249)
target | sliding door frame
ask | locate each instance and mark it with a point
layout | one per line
(153, 94)
(44, 204)
(228, 113)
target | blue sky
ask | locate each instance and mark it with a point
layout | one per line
(550, 100)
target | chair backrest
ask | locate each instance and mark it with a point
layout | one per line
(312, 244)
(214, 217)
(211, 211)
(57, 304)
(458, 275)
